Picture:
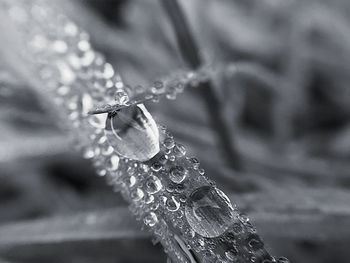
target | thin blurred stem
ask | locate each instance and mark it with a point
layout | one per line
(191, 55)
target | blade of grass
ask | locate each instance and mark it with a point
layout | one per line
(191, 55)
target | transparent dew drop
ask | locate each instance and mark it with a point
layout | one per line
(67, 75)
(153, 185)
(113, 163)
(98, 120)
(158, 87)
(178, 174)
(231, 254)
(171, 96)
(195, 163)
(86, 103)
(88, 153)
(108, 71)
(137, 194)
(149, 199)
(163, 159)
(132, 181)
(156, 166)
(179, 150)
(172, 204)
(151, 219)
(169, 143)
(283, 260)
(208, 211)
(255, 243)
(59, 46)
(121, 97)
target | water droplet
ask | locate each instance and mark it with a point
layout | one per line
(108, 71)
(132, 181)
(59, 46)
(169, 143)
(98, 120)
(172, 204)
(88, 153)
(201, 171)
(171, 95)
(121, 97)
(149, 199)
(153, 185)
(113, 163)
(208, 211)
(283, 260)
(231, 253)
(137, 194)
(179, 188)
(178, 174)
(151, 219)
(195, 163)
(156, 166)
(255, 243)
(63, 90)
(67, 75)
(133, 133)
(158, 87)
(163, 159)
(179, 150)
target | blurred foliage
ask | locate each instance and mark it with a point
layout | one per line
(285, 93)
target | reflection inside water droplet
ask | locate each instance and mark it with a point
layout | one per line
(209, 211)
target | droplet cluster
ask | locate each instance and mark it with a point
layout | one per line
(169, 193)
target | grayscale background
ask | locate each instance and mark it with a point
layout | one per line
(287, 106)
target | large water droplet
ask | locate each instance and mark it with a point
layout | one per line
(208, 211)
(133, 133)
(178, 174)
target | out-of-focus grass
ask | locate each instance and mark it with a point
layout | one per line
(286, 96)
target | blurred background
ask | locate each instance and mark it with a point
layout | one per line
(285, 98)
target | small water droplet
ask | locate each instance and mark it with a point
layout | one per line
(172, 204)
(195, 163)
(59, 46)
(158, 87)
(178, 174)
(137, 194)
(231, 253)
(132, 181)
(156, 166)
(108, 71)
(121, 97)
(113, 163)
(149, 199)
(169, 143)
(153, 185)
(151, 219)
(179, 150)
(255, 243)
(201, 171)
(283, 260)
(88, 153)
